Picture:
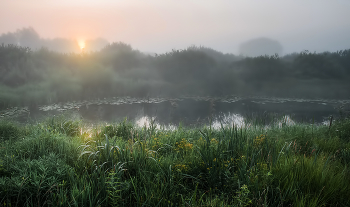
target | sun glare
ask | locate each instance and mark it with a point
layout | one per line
(81, 44)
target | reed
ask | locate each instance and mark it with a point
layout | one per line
(61, 162)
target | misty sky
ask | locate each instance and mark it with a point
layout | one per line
(162, 25)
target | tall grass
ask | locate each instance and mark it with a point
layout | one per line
(62, 162)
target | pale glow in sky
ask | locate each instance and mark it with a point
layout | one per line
(162, 25)
(81, 43)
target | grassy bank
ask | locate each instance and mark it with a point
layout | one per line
(63, 162)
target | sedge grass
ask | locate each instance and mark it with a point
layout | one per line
(60, 162)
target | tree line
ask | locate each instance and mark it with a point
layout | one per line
(32, 77)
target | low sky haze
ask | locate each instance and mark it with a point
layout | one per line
(159, 26)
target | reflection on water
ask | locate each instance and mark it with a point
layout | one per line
(228, 120)
(147, 122)
(189, 111)
(285, 121)
(222, 121)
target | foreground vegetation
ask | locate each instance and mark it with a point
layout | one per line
(62, 162)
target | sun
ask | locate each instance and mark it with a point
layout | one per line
(81, 44)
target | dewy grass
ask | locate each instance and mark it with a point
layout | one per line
(61, 162)
(9, 130)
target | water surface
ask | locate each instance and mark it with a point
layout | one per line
(189, 111)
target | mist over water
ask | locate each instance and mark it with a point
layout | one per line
(189, 112)
(194, 86)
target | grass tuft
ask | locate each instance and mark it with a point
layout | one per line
(62, 162)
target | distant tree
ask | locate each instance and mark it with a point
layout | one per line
(185, 65)
(120, 56)
(326, 65)
(13, 70)
(263, 68)
(260, 46)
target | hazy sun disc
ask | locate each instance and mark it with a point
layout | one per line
(81, 44)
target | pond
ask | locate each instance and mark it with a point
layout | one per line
(189, 111)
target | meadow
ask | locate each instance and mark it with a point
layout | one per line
(66, 162)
